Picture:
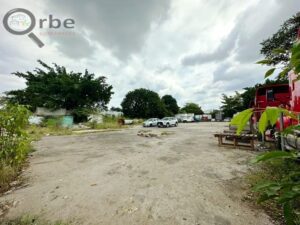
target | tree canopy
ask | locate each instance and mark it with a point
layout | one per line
(143, 103)
(192, 108)
(283, 39)
(231, 104)
(171, 104)
(55, 87)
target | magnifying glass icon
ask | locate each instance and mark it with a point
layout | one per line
(19, 22)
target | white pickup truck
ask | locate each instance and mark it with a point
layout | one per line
(167, 122)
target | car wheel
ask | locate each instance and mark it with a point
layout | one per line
(150, 125)
(167, 125)
(176, 124)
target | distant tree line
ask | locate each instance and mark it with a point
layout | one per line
(54, 87)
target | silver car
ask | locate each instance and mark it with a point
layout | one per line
(152, 122)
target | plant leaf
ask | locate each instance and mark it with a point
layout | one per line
(265, 61)
(288, 213)
(274, 155)
(278, 51)
(284, 72)
(241, 119)
(263, 122)
(270, 72)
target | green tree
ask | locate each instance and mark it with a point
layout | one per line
(116, 109)
(248, 97)
(171, 104)
(283, 39)
(192, 108)
(55, 87)
(232, 104)
(143, 103)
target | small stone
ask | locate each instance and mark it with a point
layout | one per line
(15, 203)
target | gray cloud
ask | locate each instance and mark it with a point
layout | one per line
(74, 45)
(221, 53)
(248, 47)
(120, 26)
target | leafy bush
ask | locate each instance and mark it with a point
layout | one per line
(14, 142)
(284, 187)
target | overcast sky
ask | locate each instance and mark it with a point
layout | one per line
(194, 50)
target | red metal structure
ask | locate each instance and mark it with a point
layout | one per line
(277, 95)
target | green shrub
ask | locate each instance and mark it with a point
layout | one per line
(14, 142)
(280, 183)
(52, 122)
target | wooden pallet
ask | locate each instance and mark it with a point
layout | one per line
(242, 140)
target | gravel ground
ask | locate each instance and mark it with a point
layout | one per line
(179, 176)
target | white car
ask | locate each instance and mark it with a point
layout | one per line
(167, 122)
(152, 122)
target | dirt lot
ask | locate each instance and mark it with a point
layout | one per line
(181, 177)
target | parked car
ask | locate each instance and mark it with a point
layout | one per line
(227, 119)
(152, 122)
(167, 122)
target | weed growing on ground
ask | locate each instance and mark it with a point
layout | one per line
(273, 171)
(30, 220)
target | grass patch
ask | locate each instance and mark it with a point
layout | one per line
(37, 132)
(8, 174)
(108, 123)
(273, 170)
(31, 220)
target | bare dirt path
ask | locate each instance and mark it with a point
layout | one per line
(121, 178)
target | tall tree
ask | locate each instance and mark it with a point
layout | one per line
(171, 104)
(143, 103)
(192, 108)
(283, 39)
(231, 104)
(116, 109)
(55, 87)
